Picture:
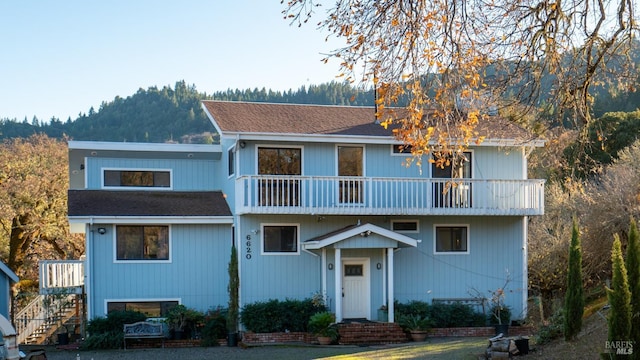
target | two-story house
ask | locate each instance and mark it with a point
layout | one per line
(317, 199)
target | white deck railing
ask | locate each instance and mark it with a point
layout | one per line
(61, 274)
(326, 195)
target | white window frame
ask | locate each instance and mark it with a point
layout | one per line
(137, 188)
(435, 232)
(263, 252)
(139, 261)
(232, 150)
(393, 153)
(417, 230)
(279, 146)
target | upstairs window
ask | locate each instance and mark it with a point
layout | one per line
(232, 161)
(407, 226)
(142, 242)
(137, 178)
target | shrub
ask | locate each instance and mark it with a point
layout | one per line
(215, 326)
(552, 330)
(106, 333)
(279, 316)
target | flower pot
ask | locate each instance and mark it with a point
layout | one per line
(383, 315)
(63, 338)
(325, 340)
(418, 335)
(232, 339)
(502, 329)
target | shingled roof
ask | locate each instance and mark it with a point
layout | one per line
(236, 117)
(83, 203)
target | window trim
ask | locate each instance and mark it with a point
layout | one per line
(435, 240)
(137, 188)
(231, 168)
(279, 253)
(417, 230)
(471, 166)
(114, 233)
(278, 146)
(404, 154)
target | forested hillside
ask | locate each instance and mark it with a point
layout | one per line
(170, 114)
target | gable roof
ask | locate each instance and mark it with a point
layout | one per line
(84, 204)
(364, 230)
(8, 272)
(233, 118)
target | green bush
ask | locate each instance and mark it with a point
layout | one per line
(552, 330)
(106, 332)
(441, 315)
(215, 326)
(279, 316)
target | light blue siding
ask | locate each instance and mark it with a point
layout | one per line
(187, 174)
(197, 274)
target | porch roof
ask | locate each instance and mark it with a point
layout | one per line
(385, 238)
(84, 203)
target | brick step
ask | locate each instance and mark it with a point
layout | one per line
(371, 333)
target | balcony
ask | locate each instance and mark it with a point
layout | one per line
(332, 195)
(58, 276)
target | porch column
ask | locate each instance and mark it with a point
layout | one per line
(323, 274)
(390, 298)
(338, 281)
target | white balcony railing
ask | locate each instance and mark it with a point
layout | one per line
(327, 195)
(61, 275)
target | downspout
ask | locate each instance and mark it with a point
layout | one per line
(88, 274)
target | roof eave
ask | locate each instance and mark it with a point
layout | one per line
(123, 219)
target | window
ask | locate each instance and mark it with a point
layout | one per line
(149, 308)
(451, 239)
(232, 160)
(279, 190)
(137, 178)
(279, 161)
(408, 226)
(401, 149)
(351, 167)
(142, 242)
(453, 191)
(280, 239)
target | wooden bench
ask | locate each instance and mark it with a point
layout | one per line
(143, 330)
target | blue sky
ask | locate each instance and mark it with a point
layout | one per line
(59, 58)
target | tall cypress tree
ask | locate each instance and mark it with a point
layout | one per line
(619, 296)
(633, 270)
(574, 298)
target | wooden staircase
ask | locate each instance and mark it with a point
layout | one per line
(369, 333)
(42, 317)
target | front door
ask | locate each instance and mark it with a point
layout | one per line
(355, 289)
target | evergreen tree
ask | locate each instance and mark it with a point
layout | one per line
(619, 296)
(574, 298)
(633, 270)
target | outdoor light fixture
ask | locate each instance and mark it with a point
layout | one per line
(102, 231)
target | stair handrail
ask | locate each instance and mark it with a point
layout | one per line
(41, 311)
(30, 318)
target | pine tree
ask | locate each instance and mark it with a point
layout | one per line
(633, 270)
(619, 296)
(574, 298)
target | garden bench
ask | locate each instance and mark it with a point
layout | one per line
(476, 302)
(143, 330)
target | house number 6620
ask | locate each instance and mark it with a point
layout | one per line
(248, 243)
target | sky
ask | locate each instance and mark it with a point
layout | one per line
(60, 58)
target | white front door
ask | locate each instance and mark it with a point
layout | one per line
(355, 289)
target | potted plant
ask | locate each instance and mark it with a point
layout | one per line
(322, 325)
(383, 313)
(234, 301)
(499, 313)
(177, 321)
(417, 326)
